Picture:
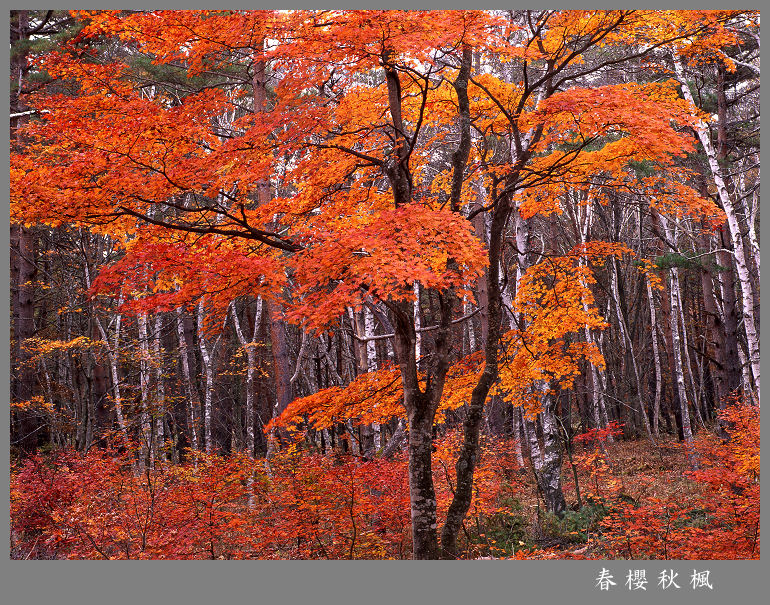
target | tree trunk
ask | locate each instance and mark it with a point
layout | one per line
(279, 346)
(468, 457)
(729, 315)
(550, 471)
(146, 454)
(584, 221)
(625, 333)
(517, 435)
(422, 496)
(281, 360)
(674, 292)
(361, 350)
(191, 392)
(159, 413)
(208, 368)
(371, 366)
(22, 262)
(656, 357)
(100, 392)
(688, 366)
(249, 347)
(747, 290)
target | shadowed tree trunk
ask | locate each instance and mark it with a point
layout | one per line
(23, 268)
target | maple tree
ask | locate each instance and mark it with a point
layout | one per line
(320, 165)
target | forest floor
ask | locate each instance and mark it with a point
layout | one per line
(637, 500)
(626, 472)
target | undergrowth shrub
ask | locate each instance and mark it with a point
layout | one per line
(722, 522)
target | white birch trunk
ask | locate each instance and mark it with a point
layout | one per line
(656, 357)
(189, 387)
(371, 363)
(551, 470)
(355, 445)
(547, 462)
(671, 235)
(251, 366)
(752, 214)
(688, 368)
(745, 373)
(209, 372)
(624, 339)
(747, 291)
(674, 287)
(535, 452)
(418, 336)
(603, 379)
(160, 389)
(112, 356)
(516, 419)
(146, 454)
(522, 245)
(467, 307)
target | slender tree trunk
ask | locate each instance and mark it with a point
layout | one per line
(371, 366)
(746, 374)
(249, 347)
(546, 462)
(98, 410)
(420, 404)
(688, 367)
(626, 334)
(191, 392)
(100, 392)
(747, 290)
(146, 454)
(482, 285)
(417, 325)
(113, 351)
(278, 343)
(675, 296)
(468, 457)
(360, 348)
(677, 355)
(394, 443)
(517, 435)
(656, 358)
(208, 367)
(584, 220)
(160, 391)
(535, 451)
(281, 359)
(715, 334)
(420, 414)
(752, 214)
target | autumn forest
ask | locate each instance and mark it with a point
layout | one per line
(384, 284)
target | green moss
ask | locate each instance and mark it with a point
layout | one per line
(575, 525)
